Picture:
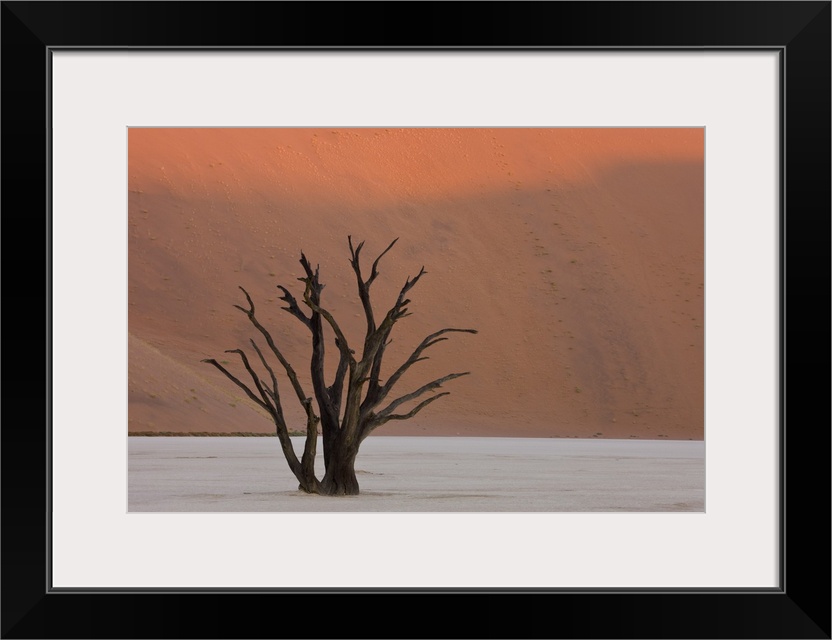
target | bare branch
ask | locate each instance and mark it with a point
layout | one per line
(275, 396)
(242, 385)
(363, 288)
(398, 310)
(272, 394)
(337, 389)
(354, 252)
(373, 389)
(280, 423)
(409, 284)
(374, 342)
(312, 298)
(293, 307)
(374, 270)
(250, 302)
(255, 378)
(290, 372)
(305, 469)
(417, 408)
(311, 276)
(430, 386)
(312, 280)
(364, 285)
(381, 393)
(342, 343)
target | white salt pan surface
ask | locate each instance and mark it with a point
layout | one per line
(423, 474)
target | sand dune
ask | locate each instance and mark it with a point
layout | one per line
(577, 254)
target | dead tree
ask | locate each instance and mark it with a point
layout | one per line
(356, 402)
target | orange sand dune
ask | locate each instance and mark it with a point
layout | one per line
(578, 254)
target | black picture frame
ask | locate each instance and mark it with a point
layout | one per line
(799, 608)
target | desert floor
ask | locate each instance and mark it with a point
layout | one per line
(423, 474)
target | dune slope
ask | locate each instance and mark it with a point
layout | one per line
(578, 254)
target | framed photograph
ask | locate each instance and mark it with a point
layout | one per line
(589, 240)
(109, 105)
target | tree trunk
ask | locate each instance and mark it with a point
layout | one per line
(309, 484)
(340, 479)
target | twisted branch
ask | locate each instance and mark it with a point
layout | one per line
(415, 410)
(364, 285)
(275, 396)
(342, 340)
(430, 386)
(378, 392)
(240, 384)
(293, 307)
(290, 372)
